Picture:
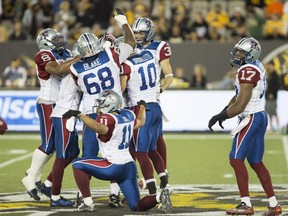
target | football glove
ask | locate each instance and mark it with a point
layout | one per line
(119, 16)
(221, 121)
(109, 37)
(219, 117)
(3, 126)
(71, 113)
(142, 102)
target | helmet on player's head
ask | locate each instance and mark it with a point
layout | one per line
(108, 101)
(88, 45)
(50, 39)
(247, 50)
(144, 25)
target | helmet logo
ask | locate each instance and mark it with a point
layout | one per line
(148, 24)
(44, 34)
(254, 45)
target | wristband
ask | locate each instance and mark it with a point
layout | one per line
(169, 75)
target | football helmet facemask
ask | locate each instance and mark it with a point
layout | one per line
(247, 50)
(143, 25)
(88, 45)
(50, 39)
(107, 101)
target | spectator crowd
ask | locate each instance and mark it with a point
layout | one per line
(175, 20)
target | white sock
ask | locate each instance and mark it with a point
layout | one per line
(272, 201)
(246, 200)
(48, 183)
(88, 201)
(38, 177)
(114, 188)
(38, 159)
(55, 197)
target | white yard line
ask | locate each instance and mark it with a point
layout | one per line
(285, 146)
(15, 160)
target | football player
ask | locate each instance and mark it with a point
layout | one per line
(144, 32)
(114, 127)
(248, 142)
(52, 61)
(98, 70)
(131, 83)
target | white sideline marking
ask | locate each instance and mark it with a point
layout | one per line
(228, 175)
(15, 160)
(285, 146)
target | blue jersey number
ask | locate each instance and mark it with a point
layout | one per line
(151, 71)
(126, 136)
(106, 81)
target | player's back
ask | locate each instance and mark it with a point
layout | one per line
(116, 146)
(49, 83)
(95, 74)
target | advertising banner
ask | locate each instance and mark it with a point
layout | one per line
(183, 110)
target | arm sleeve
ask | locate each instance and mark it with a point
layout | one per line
(125, 52)
(110, 122)
(41, 59)
(248, 74)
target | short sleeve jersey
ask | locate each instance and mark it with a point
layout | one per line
(95, 74)
(49, 83)
(253, 73)
(114, 146)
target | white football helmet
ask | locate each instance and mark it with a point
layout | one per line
(88, 45)
(50, 39)
(247, 50)
(144, 25)
(108, 101)
(74, 50)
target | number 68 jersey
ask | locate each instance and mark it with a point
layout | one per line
(253, 73)
(95, 74)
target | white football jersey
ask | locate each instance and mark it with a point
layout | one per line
(143, 80)
(68, 98)
(114, 146)
(161, 50)
(95, 74)
(49, 83)
(255, 74)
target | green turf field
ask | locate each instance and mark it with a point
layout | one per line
(192, 159)
(202, 180)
